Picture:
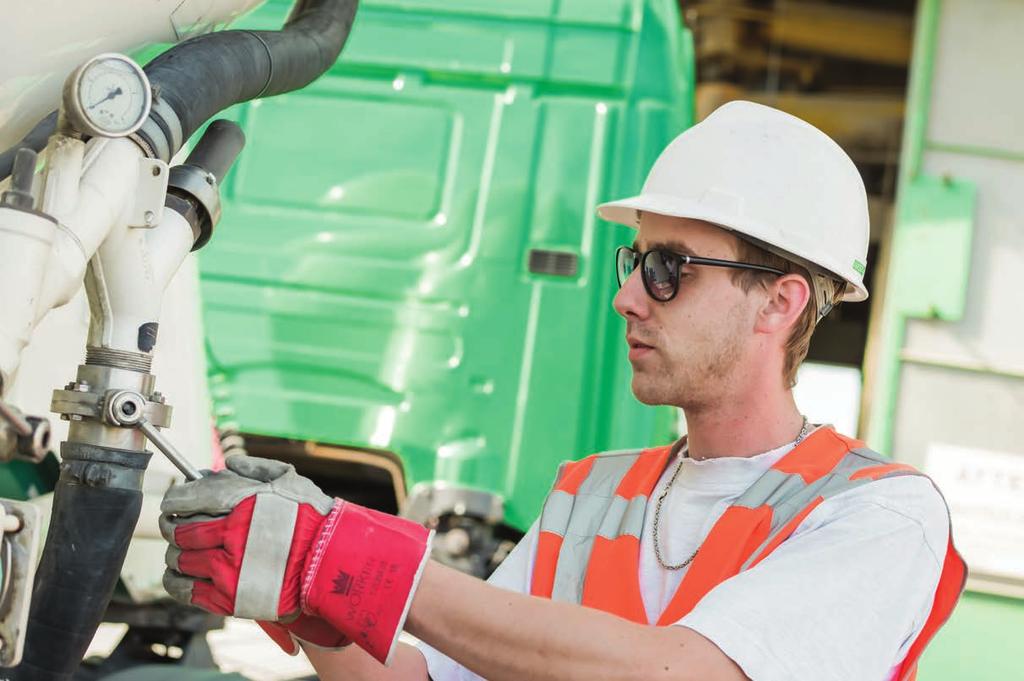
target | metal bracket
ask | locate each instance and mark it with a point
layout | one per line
(19, 554)
(116, 407)
(149, 193)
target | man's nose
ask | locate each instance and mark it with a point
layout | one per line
(632, 301)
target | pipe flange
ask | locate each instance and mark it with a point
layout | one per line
(74, 402)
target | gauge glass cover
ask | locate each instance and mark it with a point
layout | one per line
(112, 96)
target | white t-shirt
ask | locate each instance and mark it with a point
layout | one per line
(841, 600)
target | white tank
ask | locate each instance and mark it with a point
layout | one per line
(41, 43)
(44, 40)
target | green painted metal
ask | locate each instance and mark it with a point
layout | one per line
(930, 246)
(933, 244)
(926, 277)
(979, 643)
(973, 150)
(21, 480)
(370, 285)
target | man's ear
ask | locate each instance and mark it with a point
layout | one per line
(785, 299)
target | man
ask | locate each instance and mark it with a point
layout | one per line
(760, 546)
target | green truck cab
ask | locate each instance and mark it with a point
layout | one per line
(409, 295)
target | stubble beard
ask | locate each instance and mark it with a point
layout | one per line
(694, 384)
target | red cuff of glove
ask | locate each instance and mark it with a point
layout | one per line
(305, 629)
(363, 573)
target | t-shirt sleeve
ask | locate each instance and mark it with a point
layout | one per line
(844, 597)
(513, 575)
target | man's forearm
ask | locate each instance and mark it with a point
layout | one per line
(354, 664)
(504, 635)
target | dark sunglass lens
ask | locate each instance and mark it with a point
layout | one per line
(661, 270)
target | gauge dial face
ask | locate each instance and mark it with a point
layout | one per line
(112, 94)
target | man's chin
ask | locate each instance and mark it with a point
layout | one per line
(646, 394)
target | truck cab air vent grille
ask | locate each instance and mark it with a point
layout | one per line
(557, 263)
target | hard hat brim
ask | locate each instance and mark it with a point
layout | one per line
(627, 212)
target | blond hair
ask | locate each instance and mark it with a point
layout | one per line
(799, 340)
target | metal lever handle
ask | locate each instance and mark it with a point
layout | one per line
(165, 446)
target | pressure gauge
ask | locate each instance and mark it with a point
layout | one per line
(107, 96)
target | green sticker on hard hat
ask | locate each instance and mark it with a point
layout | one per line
(859, 266)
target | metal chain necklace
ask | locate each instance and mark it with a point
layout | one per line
(661, 498)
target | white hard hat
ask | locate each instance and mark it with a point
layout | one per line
(768, 176)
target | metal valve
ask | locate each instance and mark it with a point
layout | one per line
(127, 408)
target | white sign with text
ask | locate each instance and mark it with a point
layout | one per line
(985, 493)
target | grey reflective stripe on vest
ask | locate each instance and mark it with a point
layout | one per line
(579, 518)
(623, 517)
(555, 516)
(266, 557)
(788, 494)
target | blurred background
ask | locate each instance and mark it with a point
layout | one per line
(409, 295)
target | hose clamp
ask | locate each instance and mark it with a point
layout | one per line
(201, 186)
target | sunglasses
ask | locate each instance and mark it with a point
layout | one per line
(660, 269)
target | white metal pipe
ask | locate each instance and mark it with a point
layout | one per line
(64, 159)
(169, 244)
(105, 194)
(25, 242)
(128, 276)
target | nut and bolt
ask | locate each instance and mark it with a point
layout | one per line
(75, 417)
(157, 397)
(124, 408)
(94, 476)
(149, 216)
(81, 386)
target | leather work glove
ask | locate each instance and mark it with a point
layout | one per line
(259, 541)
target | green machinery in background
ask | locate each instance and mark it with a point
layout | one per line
(410, 288)
(946, 343)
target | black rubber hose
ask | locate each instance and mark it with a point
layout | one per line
(217, 149)
(206, 74)
(202, 76)
(95, 507)
(34, 140)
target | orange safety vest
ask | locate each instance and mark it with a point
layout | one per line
(600, 503)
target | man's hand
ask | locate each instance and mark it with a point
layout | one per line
(262, 542)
